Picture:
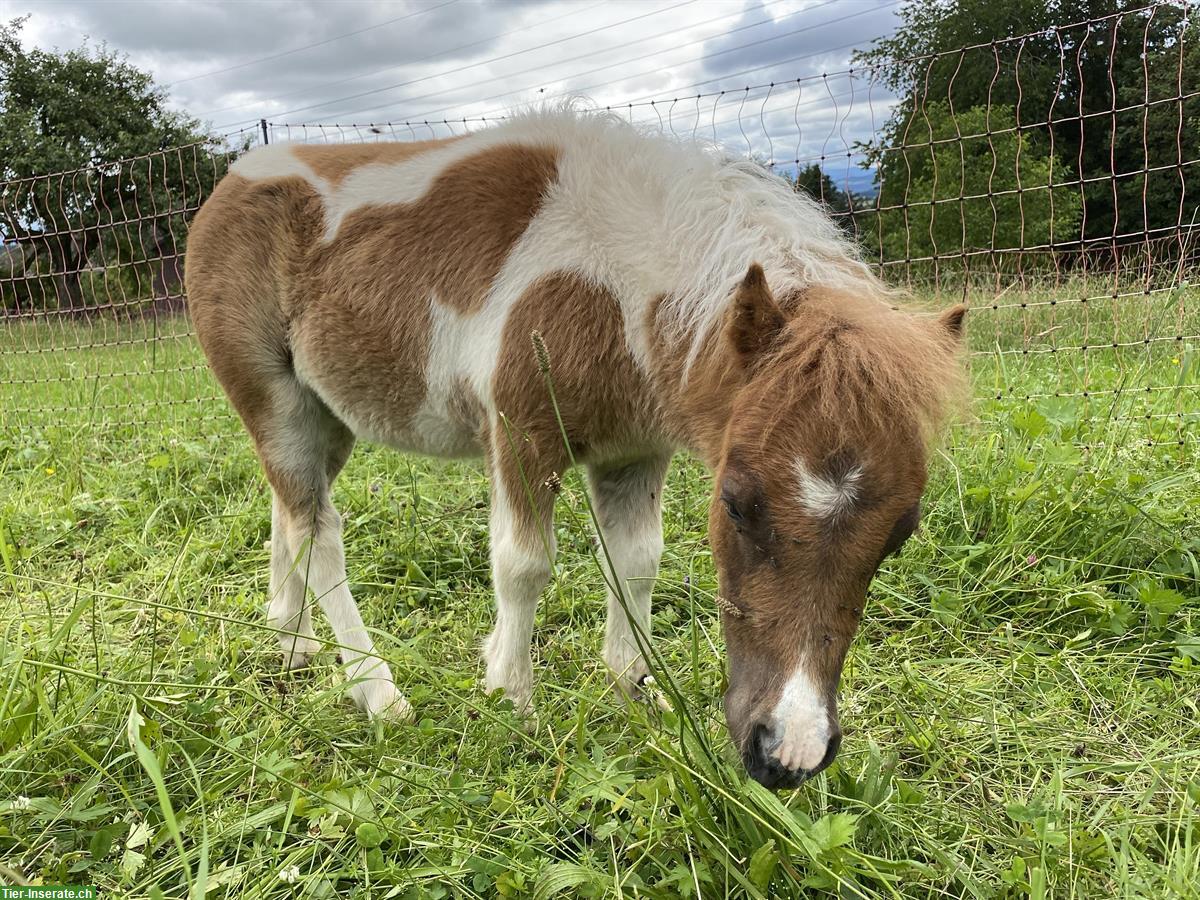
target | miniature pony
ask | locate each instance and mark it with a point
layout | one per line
(389, 292)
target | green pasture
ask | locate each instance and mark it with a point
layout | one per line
(1020, 705)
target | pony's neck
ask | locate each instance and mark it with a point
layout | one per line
(697, 400)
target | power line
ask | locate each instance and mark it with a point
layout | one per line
(677, 95)
(703, 58)
(474, 65)
(574, 11)
(254, 62)
(676, 92)
(621, 62)
(783, 62)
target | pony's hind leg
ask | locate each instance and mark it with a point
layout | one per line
(288, 610)
(243, 313)
(628, 504)
(314, 533)
(303, 446)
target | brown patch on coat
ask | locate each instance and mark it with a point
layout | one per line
(452, 242)
(364, 331)
(334, 162)
(606, 403)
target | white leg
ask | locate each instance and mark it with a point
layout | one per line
(522, 560)
(288, 609)
(323, 568)
(628, 504)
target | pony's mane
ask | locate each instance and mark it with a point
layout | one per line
(739, 214)
(864, 366)
(708, 215)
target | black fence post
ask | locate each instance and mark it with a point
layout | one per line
(266, 137)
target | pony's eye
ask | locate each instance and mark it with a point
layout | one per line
(732, 509)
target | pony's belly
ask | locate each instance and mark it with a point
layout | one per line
(398, 407)
(436, 431)
(433, 430)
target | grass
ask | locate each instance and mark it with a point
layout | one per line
(1020, 705)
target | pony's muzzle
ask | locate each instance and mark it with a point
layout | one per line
(764, 764)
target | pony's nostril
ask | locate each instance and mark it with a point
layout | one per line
(762, 762)
(760, 740)
(835, 744)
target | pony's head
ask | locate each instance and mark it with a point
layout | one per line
(819, 480)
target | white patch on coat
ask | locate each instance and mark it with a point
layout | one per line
(826, 498)
(437, 424)
(272, 161)
(801, 724)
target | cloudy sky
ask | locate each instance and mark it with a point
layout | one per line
(372, 61)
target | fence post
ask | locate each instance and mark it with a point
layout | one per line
(266, 138)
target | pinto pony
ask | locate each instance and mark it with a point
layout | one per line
(686, 300)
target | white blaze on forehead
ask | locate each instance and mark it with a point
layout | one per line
(826, 497)
(801, 728)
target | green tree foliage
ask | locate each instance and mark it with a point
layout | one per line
(972, 182)
(815, 182)
(118, 189)
(1104, 98)
(844, 205)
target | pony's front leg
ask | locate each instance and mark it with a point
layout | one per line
(628, 504)
(522, 541)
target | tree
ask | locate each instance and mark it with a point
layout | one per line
(815, 182)
(974, 184)
(843, 205)
(1112, 98)
(117, 189)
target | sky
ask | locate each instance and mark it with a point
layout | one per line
(231, 64)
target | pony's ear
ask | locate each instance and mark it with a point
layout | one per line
(951, 321)
(755, 318)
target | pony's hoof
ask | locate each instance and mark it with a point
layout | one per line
(513, 681)
(299, 655)
(522, 702)
(296, 662)
(634, 683)
(649, 693)
(382, 701)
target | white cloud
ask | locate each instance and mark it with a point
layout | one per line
(449, 59)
